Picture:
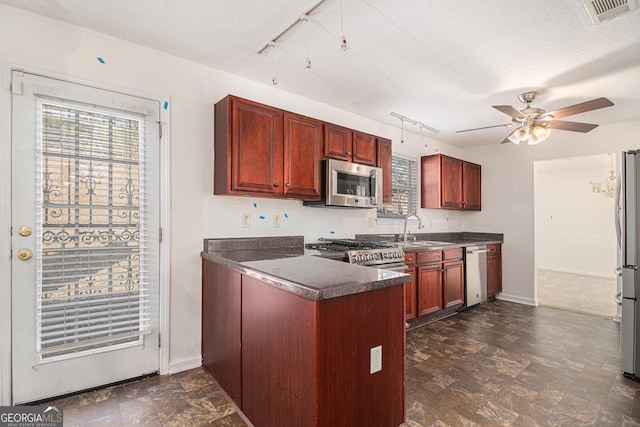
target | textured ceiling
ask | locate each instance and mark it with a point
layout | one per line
(441, 62)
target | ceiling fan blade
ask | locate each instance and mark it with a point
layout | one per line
(594, 104)
(510, 111)
(486, 127)
(572, 126)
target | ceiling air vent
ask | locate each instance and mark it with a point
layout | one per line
(604, 10)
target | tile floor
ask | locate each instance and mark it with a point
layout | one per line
(576, 292)
(500, 364)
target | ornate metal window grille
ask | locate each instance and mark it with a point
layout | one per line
(405, 189)
(92, 287)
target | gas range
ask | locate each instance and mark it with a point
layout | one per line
(384, 255)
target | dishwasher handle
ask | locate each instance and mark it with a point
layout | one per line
(479, 251)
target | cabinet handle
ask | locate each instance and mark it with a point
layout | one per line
(287, 185)
(348, 153)
(276, 185)
(356, 155)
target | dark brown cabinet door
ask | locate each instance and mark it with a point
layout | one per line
(338, 142)
(451, 182)
(411, 305)
(384, 162)
(494, 270)
(471, 176)
(429, 289)
(302, 151)
(248, 148)
(453, 283)
(364, 149)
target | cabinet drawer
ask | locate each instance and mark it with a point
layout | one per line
(494, 250)
(452, 254)
(429, 256)
(410, 258)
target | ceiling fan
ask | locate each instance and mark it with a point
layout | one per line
(535, 124)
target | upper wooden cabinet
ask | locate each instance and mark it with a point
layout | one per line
(302, 151)
(450, 183)
(384, 162)
(263, 151)
(352, 146)
(471, 192)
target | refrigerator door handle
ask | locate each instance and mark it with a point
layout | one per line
(618, 210)
(629, 210)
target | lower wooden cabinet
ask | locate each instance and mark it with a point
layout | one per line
(438, 283)
(494, 270)
(429, 289)
(287, 360)
(453, 283)
(410, 290)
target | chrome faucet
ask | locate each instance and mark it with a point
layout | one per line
(406, 219)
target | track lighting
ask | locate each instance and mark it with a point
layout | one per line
(343, 44)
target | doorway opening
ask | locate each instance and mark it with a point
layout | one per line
(575, 237)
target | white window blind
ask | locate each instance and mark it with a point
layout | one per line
(405, 188)
(93, 282)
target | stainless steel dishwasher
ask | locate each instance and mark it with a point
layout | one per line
(476, 275)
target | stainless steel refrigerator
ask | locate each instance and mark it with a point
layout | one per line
(627, 227)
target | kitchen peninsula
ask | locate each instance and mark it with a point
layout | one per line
(296, 339)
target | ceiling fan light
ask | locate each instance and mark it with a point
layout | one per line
(513, 138)
(538, 134)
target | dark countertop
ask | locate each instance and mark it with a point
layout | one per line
(449, 240)
(283, 262)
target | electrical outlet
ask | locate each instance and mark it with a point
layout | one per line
(276, 221)
(375, 360)
(246, 220)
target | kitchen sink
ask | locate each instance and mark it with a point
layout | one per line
(425, 243)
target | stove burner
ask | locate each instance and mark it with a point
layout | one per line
(344, 245)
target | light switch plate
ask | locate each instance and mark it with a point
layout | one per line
(376, 360)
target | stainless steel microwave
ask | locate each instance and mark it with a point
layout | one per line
(350, 185)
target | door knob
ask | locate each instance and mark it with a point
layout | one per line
(25, 254)
(24, 231)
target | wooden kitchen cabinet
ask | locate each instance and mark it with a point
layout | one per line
(429, 289)
(338, 142)
(351, 146)
(287, 360)
(221, 327)
(410, 288)
(302, 151)
(471, 191)
(438, 287)
(365, 150)
(264, 151)
(494, 270)
(450, 183)
(385, 162)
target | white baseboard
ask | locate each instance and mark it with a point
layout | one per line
(583, 273)
(517, 299)
(184, 364)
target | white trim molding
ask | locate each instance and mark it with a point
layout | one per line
(5, 235)
(517, 299)
(185, 364)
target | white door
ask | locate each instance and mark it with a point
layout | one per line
(85, 237)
